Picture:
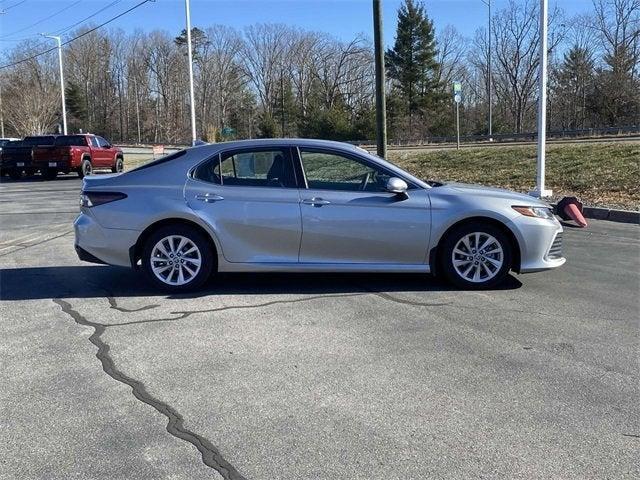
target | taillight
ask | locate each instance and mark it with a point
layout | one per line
(93, 199)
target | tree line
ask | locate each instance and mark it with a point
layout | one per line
(272, 80)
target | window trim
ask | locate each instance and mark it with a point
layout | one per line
(350, 156)
(286, 150)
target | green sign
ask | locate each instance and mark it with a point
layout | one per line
(457, 87)
(228, 131)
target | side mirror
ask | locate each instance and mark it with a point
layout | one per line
(397, 185)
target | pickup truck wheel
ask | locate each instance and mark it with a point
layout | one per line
(50, 173)
(118, 167)
(85, 168)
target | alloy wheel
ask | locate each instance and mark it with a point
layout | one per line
(175, 260)
(477, 257)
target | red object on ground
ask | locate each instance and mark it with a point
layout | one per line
(571, 208)
(574, 212)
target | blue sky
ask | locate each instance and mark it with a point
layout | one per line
(342, 18)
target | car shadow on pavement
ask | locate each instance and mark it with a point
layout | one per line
(102, 281)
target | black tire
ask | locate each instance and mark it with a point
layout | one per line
(15, 174)
(207, 258)
(50, 173)
(490, 274)
(118, 167)
(85, 168)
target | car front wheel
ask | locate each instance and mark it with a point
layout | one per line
(177, 258)
(476, 256)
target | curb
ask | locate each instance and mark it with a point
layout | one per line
(610, 214)
(622, 216)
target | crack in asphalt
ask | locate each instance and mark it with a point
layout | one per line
(211, 456)
(114, 305)
(402, 301)
(187, 313)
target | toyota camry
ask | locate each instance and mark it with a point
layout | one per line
(297, 205)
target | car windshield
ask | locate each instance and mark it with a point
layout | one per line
(71, 140)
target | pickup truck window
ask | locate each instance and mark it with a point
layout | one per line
(94, 142)
(102, 142)
(71, 141)
(35, 141)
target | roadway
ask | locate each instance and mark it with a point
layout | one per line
(312, 376)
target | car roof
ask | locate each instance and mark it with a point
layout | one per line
(299, 142)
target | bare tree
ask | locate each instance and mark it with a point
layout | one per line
(31, 94)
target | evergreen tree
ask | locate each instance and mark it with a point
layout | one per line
(198, 40)
(76, 104)
(572, 85)
(411, 63)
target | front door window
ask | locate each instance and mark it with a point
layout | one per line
(332, 171)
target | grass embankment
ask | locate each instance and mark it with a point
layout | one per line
(133, 160)
(603, 174)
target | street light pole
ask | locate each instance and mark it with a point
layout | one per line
(190, 55)
(381, 112)
(540, 190)
(1, 114)
(64, 104)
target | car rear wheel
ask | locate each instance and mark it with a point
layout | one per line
(476, 256)
(85, 168)
(118, 167)
(177, 258)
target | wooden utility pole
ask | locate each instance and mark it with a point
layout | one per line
(381, 112)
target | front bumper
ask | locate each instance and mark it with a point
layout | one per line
(97, 244)
(540, 243)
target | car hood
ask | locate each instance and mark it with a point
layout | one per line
(482, 191)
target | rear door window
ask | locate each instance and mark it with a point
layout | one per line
(268, 167)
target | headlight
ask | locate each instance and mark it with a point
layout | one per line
(538, 212)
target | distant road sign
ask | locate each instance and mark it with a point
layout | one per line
(457, 87)
(158, 150)
(457, 97)
(228, 131)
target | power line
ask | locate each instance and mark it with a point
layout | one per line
(66, 29)
(42, 20)
(76, 37)
(14, 5)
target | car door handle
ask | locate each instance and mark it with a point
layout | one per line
(209, 197)
(316, 202)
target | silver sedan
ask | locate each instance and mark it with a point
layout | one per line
(306, 206)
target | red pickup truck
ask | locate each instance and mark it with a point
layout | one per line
(81, 153)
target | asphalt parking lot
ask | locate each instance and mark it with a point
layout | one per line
(312, 376)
